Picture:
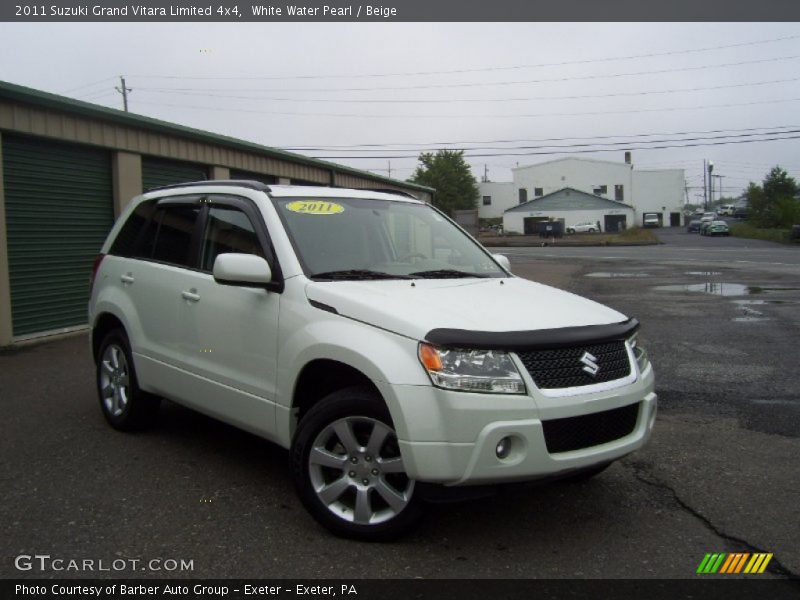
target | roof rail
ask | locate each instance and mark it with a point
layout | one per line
(247, 183)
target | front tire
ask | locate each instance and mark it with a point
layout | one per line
(125, 406)
(348, 470)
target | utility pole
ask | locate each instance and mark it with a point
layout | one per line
(390, 168)
(485, 173)
(124, 91)
(705, 185)
(719, 177)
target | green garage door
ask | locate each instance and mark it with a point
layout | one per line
(59, 209)
(268, 179)
(157, 172)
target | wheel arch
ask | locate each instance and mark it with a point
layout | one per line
(320, 377)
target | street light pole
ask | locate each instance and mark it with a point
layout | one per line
(710, 183)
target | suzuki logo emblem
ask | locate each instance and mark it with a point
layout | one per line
(590, 364)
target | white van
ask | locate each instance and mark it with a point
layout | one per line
(367, 333)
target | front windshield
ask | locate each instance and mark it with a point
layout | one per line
(349, 238)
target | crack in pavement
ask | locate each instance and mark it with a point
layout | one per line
(640, 471)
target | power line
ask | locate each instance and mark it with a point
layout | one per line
(532, 141)
(80, 87)
(574, 145)
(475, 70)
(475, 100)
(625, 144)
(474, 116)
(499, 83)
(585, 151)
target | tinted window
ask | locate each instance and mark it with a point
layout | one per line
(173, 239)
(228, 230)
(132, 232)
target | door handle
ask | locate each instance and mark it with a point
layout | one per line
(191, 295)
(126, 278)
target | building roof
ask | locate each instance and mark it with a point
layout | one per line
(36, 97)
(580, 159)
(580, 201)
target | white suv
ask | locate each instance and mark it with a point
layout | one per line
(585, 227)
(369, 334)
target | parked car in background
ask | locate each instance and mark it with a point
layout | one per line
(651, 220)
(393, 366)
(694, 226)
(585, 227)
(740, 213)
(726, 209)
(716, 228)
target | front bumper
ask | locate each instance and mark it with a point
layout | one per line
(451, 437)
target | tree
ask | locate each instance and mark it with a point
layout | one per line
(773, 204)
(450, 175)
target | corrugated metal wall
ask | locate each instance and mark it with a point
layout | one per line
(58, 214)
(157, 172)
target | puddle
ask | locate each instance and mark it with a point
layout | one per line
(761, 302)
(710, 287)
(609, 275)
(750, 319)
(757, 289)
(704, 273)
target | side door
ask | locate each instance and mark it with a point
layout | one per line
(154, 251)
(230, 333)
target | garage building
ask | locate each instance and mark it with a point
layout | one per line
(648, 191)
(568, 207)
(67, 169)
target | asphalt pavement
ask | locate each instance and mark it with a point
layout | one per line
(720, 475)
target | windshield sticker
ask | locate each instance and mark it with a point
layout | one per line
(315, 207)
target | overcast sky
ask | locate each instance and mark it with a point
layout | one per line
(320, 85)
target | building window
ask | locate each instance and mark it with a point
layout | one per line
(619, 193)
(538, 192)
(599, 190)
(487, 200)
(523, 195)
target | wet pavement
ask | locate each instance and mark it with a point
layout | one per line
(721, 472)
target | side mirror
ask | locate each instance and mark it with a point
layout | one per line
(502, 259)
(241, 269)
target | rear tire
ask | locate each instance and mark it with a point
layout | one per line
(125, 406)
(348, 470)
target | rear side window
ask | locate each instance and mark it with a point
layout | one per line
(173, 239)
(132, 233)
(228, 230)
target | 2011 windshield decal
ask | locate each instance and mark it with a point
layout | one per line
(315, 207)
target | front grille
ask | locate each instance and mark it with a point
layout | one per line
(575, 433)
(562, 367)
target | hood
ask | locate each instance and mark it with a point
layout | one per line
(494, 305)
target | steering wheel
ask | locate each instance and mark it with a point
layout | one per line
(408, 257)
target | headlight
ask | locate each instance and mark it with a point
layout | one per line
(490, 371)
(639, 353)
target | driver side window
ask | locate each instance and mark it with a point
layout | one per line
(228, 230)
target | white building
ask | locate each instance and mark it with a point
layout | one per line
(494, 199)
(568, 207)
(646, 191)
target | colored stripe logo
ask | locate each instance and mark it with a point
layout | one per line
(734, 563)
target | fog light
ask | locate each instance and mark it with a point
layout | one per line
(503, 448)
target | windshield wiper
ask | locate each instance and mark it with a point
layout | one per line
(445, 274)
(355, 274)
